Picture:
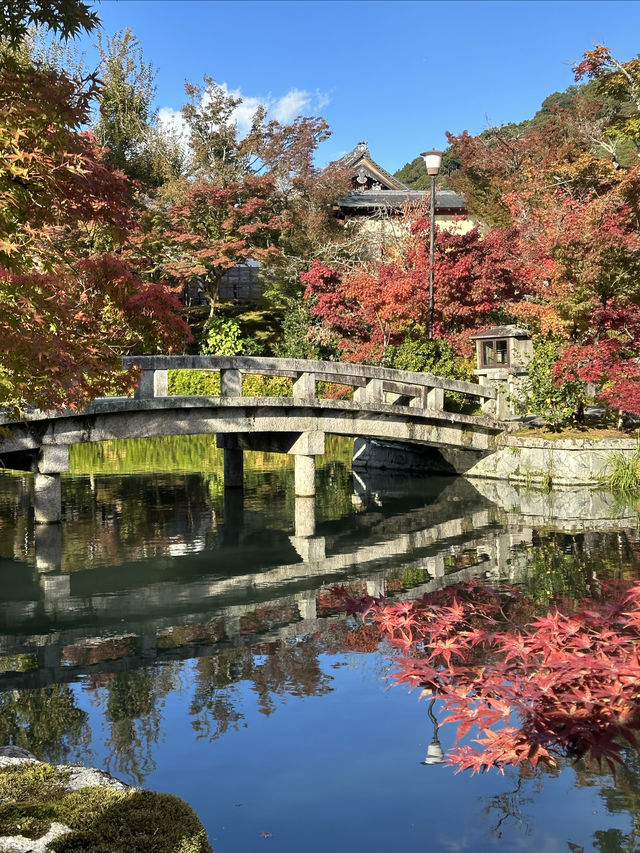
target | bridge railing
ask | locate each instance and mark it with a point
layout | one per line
(371, 385)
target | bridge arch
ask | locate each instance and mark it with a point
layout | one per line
(383, 403)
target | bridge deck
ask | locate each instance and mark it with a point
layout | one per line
(387, 404)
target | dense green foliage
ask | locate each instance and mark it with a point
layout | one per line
(414, 174)
(304, 337)
(224, 337)
(425, 356)
(126, 123)
(557, 403)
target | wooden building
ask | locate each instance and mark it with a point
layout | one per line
(376, 192)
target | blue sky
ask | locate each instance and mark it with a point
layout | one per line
(396, 74)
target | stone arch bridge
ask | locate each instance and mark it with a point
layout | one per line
(380, 403)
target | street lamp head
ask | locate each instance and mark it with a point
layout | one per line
(432, 160)
(435, 753)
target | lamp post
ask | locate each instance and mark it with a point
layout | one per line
(432, 160)
(435, 752)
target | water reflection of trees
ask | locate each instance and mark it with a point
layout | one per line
(47, 722)
(275, 669)
(132, 704)
(622, 797)
(572, 565)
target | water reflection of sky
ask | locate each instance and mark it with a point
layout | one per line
(196, 650)
(342, 771)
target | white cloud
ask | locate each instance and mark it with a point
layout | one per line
(284, 109)
(322, 99)
(174, 122)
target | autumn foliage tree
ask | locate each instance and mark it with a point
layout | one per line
(530, 689)
(253, 195)
(72, 302)
(373, 306)
(574, 217)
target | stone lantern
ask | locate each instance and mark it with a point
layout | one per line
(502, 356)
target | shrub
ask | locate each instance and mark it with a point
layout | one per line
(194, 383)
(225, 338)
(557, 402)
(425, 356)
(624, 472)
(267, 386)
(304, 337)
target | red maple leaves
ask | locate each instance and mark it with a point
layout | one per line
(565, 684)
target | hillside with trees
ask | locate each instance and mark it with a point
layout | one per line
(587, 97)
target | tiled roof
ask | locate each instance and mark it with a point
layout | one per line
(360, 153)
(502, 332)
(362, 199)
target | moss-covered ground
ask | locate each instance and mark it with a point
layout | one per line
(257, 322)
(102, 820)
(574, 432)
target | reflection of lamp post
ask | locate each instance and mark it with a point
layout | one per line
(435, 752)
(432, 160)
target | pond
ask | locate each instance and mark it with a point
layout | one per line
(199, 646)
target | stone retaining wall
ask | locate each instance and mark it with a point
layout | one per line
(521, 459)
(568, 461)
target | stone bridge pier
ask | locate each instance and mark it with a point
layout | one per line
(303, 446)
(51, 461)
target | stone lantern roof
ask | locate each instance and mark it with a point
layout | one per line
(501, 332)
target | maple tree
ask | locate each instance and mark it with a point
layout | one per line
(244, 196)
(573, 217)
(72, 300)
(620, 81)
(65, 17)
(372, 306)
(532, 690)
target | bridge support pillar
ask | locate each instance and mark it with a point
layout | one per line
(307, 605)
(48, 548)
(47, 501)
(233, 460)
(233, 468)
(305, 476)
(375, 586)
(52, 460)
(305, 516)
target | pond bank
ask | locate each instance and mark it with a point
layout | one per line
(71, 808)
(529, 459)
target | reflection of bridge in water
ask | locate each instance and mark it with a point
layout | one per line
(181, 604)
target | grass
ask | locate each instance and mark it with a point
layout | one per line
(102, 820)
(572, 432)
(624, 472)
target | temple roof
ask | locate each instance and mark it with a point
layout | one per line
(360, 159)
(387, 192)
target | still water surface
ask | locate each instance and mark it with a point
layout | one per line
(194, 646)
